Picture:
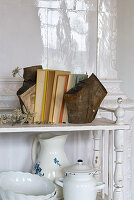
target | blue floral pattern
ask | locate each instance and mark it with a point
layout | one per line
(37, 169)
(57, 162)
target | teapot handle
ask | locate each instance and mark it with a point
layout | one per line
(59, 181)
(100, 186)
(34, 149)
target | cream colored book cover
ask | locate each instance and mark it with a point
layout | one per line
(69, 86)
(40, 82)
(49, 89)
(57, 73)
(59, 98)
(44, 96)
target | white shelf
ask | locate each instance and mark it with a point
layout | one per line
(97, 124)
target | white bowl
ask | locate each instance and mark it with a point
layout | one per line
(25, 186)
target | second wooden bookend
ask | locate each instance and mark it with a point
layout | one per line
(84, 99)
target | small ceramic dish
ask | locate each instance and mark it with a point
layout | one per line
(25, 186)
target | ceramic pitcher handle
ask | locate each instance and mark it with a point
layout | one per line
(59, 181)
(34, 149)
(100, 186)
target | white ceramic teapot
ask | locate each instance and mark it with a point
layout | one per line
(79, 183)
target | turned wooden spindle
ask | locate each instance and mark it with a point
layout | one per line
(97, 153)
(97, 159)
(110, 166)
(119, 112)
(118, 144)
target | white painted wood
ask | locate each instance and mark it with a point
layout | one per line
(107, 109)
(97, 124)
(128, 134)
(118, 174)
(119, 149)
(110, 167)
(119, 112)
(103, 161)
(97, 135)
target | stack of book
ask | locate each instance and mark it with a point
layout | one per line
(51, 85)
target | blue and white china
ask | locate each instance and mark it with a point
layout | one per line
(79, 183)
(25, 186)
(51, 158)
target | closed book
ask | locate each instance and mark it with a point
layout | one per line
(58, 98)
(70, 85)
(57, 74)
(63, 103)
(48, 96)
(40, 84)
(79, 77)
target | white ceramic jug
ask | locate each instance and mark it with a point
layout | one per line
(51, 158)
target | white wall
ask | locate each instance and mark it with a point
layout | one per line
(125, 45)
(20, 45)
(20, 35)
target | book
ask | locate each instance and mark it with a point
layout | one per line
(63, 103)
(70, 84)
(58, 98)
(48, 96)
(57, 74)
(40, 86)
(79, 77)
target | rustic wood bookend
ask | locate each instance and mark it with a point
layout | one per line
(26, 93)
(84, 100)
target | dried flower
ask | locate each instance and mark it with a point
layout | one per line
(4, 119)
(16, 71)
(27, 116)
(17, 113)
(16, 116)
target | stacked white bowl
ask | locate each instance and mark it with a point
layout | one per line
(25, 186)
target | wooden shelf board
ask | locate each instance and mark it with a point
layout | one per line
(97, 124)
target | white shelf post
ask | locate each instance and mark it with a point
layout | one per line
(110, 166)
(118, 174)
(97, 153)
(118, 144)
(97, 136)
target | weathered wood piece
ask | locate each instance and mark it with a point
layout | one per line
(28, 98)
(84, 100)
(29, 75)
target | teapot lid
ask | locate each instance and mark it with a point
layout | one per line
(80, 168)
